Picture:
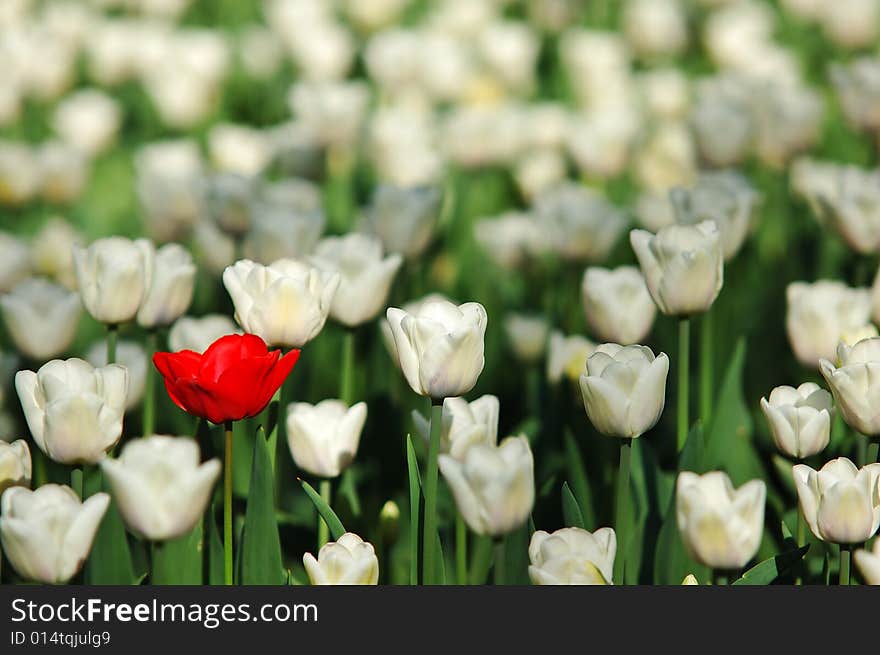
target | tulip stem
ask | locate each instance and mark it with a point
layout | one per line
(873, 454)
(499, 561)
(720, 578)
(621, 508)
(706, 367)
(323, 528)
(76, 481)
(227, 507)
(149, 413)
(460, 550)
(346, 391)
(684, 345)
(112, 334)
(845, 556)
(429, 536)
(801, 540)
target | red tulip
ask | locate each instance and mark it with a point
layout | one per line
(235, 378)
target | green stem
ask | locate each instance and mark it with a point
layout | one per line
(461, 550)
(801, 540)
(861, 449)
(684, 344)
(429, 538)
(873, 454)
(76, 481)
(227, 507)
(845, 556)
(112, 335)
(499, 561)
(621, 508)
(706, 367)
(323, 529)
(721, 578)
(149, 413)
(534, 377)
(346, 391)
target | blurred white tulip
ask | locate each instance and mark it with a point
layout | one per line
(617, 304)
(572, 556)
(167, 181)
(851, 205)
(111, 277)
(857, 84)
(799, 419)
(527, 335)
(88, 120)
(347, 561)
(510, 239)
(655, 28)
(566, 356)
(52, 251)
(14, 261)
(239, 148)
(15, 465)
(20, 175)
(323, 438)
(855, 385)
(868, 562)
(463, 424)
(131, 355)
(229, 199)
(41, 317)
(64, 171)
(404, 218)
(170, 278)
(335, 111)
(190, 333)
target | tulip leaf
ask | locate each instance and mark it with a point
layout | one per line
(414, 506)
(178, 561)
(109, 561)
(579, 482)
(571, 512)
(770, 569)
(516, 556)
(329, 516)
(348, 489)
(481, 560)
(260, 544)
(215, 573)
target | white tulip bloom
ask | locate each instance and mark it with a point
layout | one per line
(41, 317)
(404, 217)
(440, 346)
(14, 260)
(818, 314)
(285, 303)
(15, 464)
(463, 424)
(617, 304)
(52, 252)
(411, 307)
(189, 333)
(840, 502)
(323, 438)
(683, 266)
(229, 199)
(855, 384)
(365, 277)
(64, 171)
(527, 335)
(159, 486)
(720, 526)
(347, 561)
(566, 356)
(624, 389)
(334, 110)
(868, 562)
(851, 205)
(167, 182)
(74, 411)
(170, 279)
(510, 239)
(280, 231)
(799, 419)
(655, 28)
(131, 355)
(87, 119)
(493, 486)
(111, 276)
(572, 556)
(47, 533)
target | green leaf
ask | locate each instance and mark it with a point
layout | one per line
(178, 561)
(109, 561)
(261, 546)
(348, 489)
(770, 569)
(516, 555)
(579, 481)
(329, 516)
(215, 551)
(571, 513)
(481, 560)
(415, 485)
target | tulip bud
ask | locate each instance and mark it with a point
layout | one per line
(285, 303)
(170, 276)
(799, 419)
(389, 522)
(133, 357)
(690, 579)
(150, 478)
(47, 533)
(111, 277)
(493, 486)
(404, 218)
(868, 562)
(440, 346)
(819, 314)
(683, 266)
(347, 561)
(189, 333)
(15, 465)
(323, 438)
(527, 336)
(41, 317)
(624, 389)
(463, 424)
(720, 526)
(572, 556)
(840, 502)
(566, 356)
(74, 411)
(365, 278)
(617, 304)
(854, 383)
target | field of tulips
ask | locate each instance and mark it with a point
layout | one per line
(440, 292)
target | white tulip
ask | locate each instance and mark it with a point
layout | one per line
(655, 28)
(720, 526)
(440, 346)
(19, 173)
(566, 356)
(683, 266)
(852, 337)
(527, 335)
(15, 464)
(159, 486)
(229, 199)
(167, 181)
(323, 438)
(510, 239)
(624, 389)
(463, 424)
(335, 111)
(111, 276)
(572, 556)
(851, 205)
(214, 249)
(840, 502)
(74, 411)
(131, 355)
(14, 260)
(818, 314)
(617, 304)
(411, 307)
(280, 231)
(63, 171)
(239, 148)
(197, 334)
(88, 120)
(404, 217)
(347, 561)
(170, 278)
(47, 533)
(41, 317)
(855, 384)
(868, 562)
(365, 277)
(799, 419)
(52, 252)
(285, 303)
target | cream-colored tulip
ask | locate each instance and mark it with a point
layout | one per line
(41, 317)
(159, 486)
(868, 562)
(47, 533)
(527, 335)
(170, 277)
(111, 276)
(855, 384)
(463, 424)
(285, 303)
(15, 465)
(683, 266)
(189, 333)
(799, 419)
(617, 304)
(566, 356)
(572, 556)
(493, 486)
(323, 438)
(347, 561)
(74, 411)
(624, 389)
(440, 346)
(840, 502)
(720, 526)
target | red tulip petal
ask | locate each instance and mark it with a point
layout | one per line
(245, 381)
(278, 374)
(182, 364)
(227, 350)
